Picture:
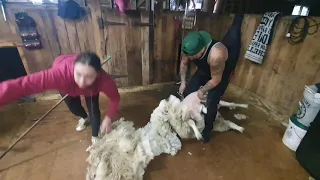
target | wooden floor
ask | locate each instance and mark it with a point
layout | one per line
(55, 151)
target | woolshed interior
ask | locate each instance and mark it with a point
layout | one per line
(275, 79)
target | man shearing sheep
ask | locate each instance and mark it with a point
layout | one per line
(216, 62)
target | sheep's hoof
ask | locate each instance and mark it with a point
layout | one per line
(241, 129)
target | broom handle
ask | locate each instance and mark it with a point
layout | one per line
(40, 119)
(29, 129)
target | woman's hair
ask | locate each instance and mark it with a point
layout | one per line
(90, 59)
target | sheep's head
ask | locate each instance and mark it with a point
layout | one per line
(128, 143)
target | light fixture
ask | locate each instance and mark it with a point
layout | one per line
(195, 4)
(300, 10)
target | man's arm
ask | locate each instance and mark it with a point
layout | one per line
(217, 60)
(183, 67)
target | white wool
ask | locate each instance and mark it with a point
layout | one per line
(125, 152)
(108, 160)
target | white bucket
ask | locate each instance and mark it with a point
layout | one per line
(294, 134)
(309, 106)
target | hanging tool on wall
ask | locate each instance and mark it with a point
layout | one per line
(28, 31)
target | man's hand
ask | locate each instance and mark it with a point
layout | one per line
(106, 125)
(182, 87)
(202, 95)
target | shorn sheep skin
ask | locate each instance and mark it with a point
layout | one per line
(125, 152)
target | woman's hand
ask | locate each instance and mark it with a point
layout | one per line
(106, 125)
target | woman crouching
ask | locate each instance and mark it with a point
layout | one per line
(75, 75)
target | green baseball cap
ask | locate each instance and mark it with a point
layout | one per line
(194, 42)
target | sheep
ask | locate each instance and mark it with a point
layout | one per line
(125, 152)
(193, 123)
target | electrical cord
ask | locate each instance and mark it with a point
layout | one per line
(298, 34)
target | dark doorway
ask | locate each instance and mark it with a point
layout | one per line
(11, 66)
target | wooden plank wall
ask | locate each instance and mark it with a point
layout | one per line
(164, 48)
(57, 36)
(128, 46)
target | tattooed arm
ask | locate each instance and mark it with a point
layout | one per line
(217, 59)
(183, 68)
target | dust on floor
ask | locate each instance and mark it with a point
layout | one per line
(54, 150)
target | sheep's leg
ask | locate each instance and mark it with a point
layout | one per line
(232, 105)
(234, 126)
(192, 124)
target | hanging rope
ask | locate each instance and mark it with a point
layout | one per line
(298, 33)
